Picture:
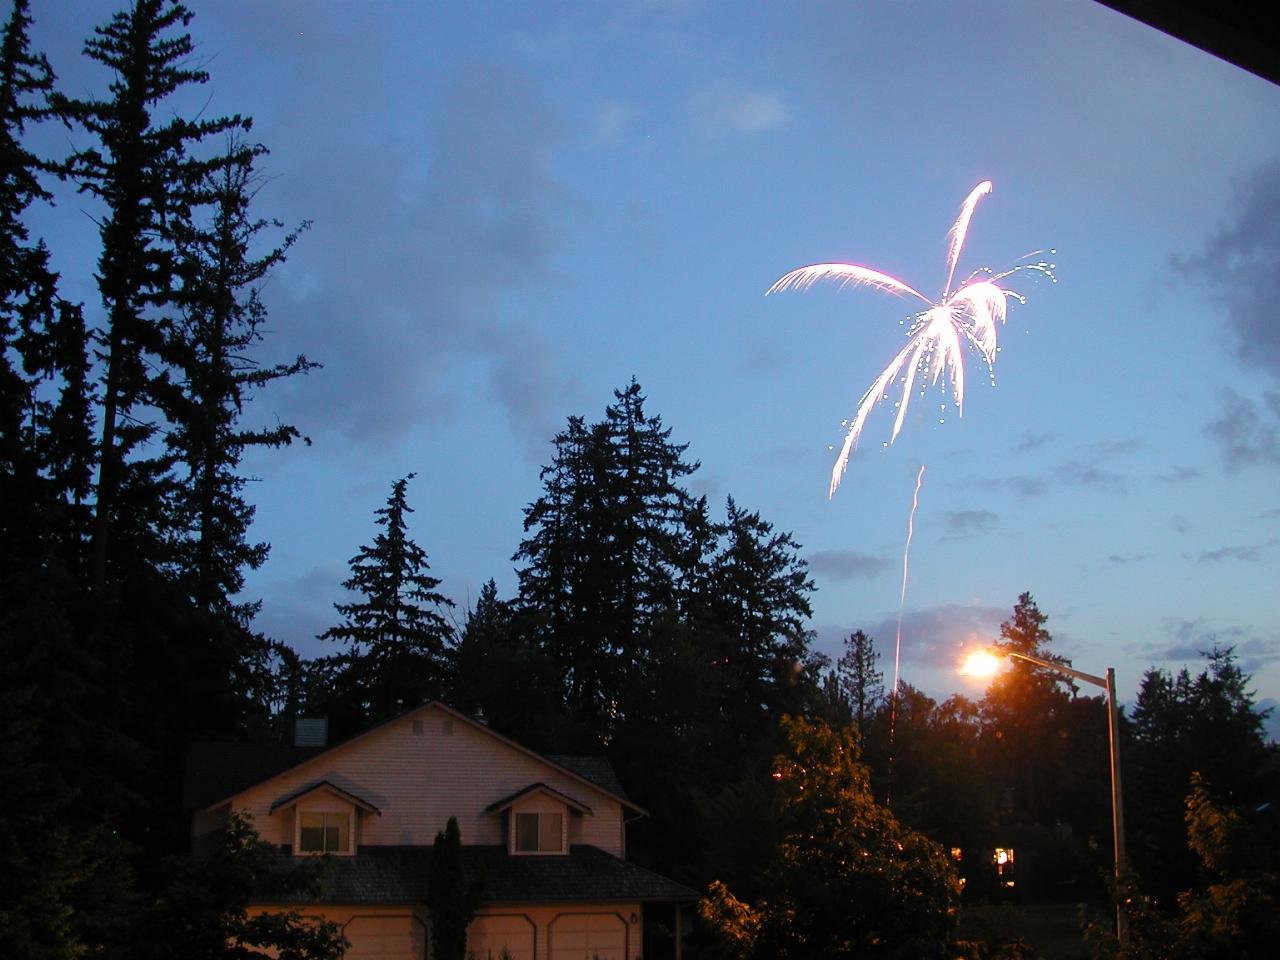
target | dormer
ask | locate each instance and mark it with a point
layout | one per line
(536, 820)
(322, 817)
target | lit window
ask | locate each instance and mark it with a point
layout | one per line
(324, 832)
(539, 833)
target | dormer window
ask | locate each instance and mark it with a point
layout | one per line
(323, 818)
(539, 832)
(536, 819)
(324, 832)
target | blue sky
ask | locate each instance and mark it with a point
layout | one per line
(517, 207)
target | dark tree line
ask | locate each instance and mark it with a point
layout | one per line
(123, 423)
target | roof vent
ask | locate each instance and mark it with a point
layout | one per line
(311, 732)
(479, 716)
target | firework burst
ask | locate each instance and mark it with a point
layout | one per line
(936, 338)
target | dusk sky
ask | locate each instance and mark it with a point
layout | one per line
(517, 207)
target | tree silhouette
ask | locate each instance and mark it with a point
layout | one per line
(398, 643)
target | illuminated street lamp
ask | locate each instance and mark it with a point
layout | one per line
(983, 663)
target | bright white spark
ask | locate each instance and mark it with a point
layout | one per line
(936, 337)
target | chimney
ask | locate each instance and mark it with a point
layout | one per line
(311, 732)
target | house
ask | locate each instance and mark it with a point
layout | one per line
(548, 834)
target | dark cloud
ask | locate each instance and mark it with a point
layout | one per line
(1120, 560)
(1027, 486)
(1088, 473)
(300, 608)
(1089, 470)
(847, 565)
(1239, 266)
(1188, 640)
(1182, 475)
(402, 287)
(1247, 552)
(1247, 434)
(969, 523)
(1032, 441)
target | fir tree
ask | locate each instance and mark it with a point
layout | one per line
(1024, 711)
(761, 593)
(147, 178)
(602, 555)
(398, 643)
(222, 317)
(860, 682)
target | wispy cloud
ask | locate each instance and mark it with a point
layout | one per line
(719, 111)
(1032, 441)
(1088, 470)
(847, 565)
(1027, 486)
(1120, 560)
(1246, 552)
(969, 523)
(1188, 640)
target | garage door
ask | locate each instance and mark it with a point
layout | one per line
(488, 936)
(586, 936)
(386, 938)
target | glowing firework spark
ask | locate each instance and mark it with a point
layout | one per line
(935, 340)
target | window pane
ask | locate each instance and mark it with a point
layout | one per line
(338, 823)
(549, 832)
(526, 832)
(311, 835)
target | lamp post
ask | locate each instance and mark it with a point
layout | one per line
(1107, 683)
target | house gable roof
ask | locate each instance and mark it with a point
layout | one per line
(269, 761)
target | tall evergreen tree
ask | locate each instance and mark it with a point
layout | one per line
(212, 343)
(1024, 712)
(147, 177)
(399, 645)
(221, 320)
(44, 459)
(603, 547)
(860, 682)
(761, 592)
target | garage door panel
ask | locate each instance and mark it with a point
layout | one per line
(386, 938)
(575, 936)
(489, 935)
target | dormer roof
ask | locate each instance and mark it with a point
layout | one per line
(327, 786)
(541, 788)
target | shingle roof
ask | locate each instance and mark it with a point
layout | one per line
(399, 875)
(597, 769)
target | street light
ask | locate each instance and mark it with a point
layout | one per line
(984, 663)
